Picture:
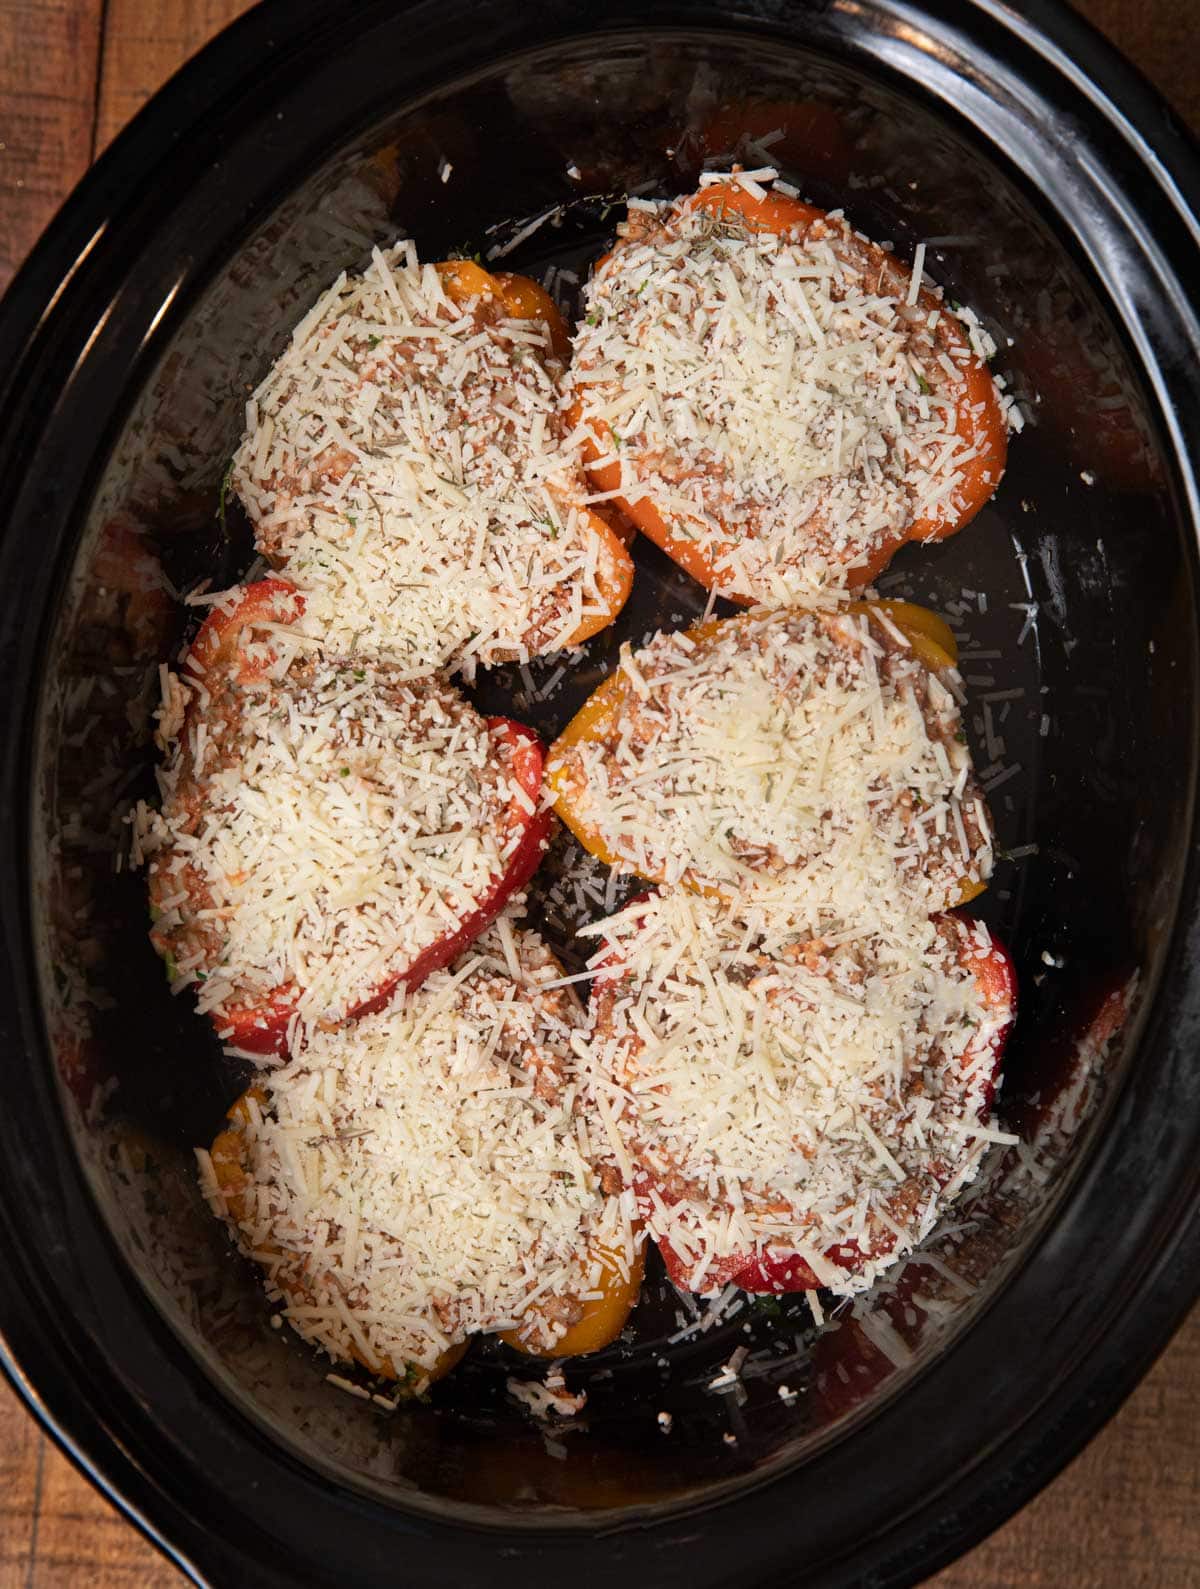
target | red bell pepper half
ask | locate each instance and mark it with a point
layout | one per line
(780, 1271)
(221, 644)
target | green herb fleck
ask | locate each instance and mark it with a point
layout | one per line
(224, 492)
(593, 319)
(352, 520)
(924, 385)
(373, 341)
(345, 772)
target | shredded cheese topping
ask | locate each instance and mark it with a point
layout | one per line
(426, 1173)
(407, 462)
(321, 827)
(776, 1096)
(784, 401)
(805, 757)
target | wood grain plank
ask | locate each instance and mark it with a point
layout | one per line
(22, 1458)
(145, 41)
(1161, 39)
(49, 54)
(82, 1539)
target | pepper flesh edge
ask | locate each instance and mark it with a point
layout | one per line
(603, 1318)
(229, 1168)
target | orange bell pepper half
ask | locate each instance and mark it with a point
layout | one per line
(521, 297)
(599, 718)
(525, 299)
(980, 423)
(603, 1318)
(228, 1156)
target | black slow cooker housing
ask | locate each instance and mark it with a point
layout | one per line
(1058, 200)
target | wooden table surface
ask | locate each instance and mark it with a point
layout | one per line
(1124, 1515)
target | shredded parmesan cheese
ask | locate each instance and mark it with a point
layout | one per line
(320, 829)
(418, 1178)
(805, 1104)
(798, 756)
(407, 462)
(783, 401)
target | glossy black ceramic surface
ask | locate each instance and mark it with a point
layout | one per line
(1057, 199)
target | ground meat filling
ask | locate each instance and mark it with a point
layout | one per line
(319, 830)
(775, 1095)
(777, 398)
(809, 756)
(424, 1175)
(406, 463)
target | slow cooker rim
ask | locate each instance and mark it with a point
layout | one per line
(66, 239)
